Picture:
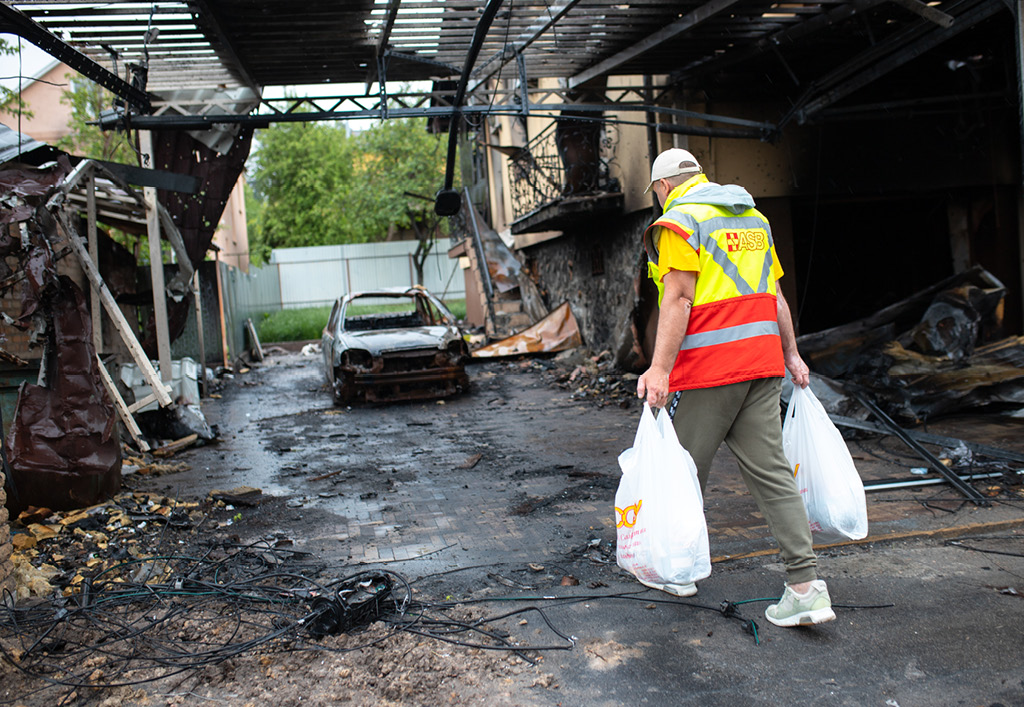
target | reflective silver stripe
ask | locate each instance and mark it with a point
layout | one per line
(766, 272)
(728, 267)
(733, 223)
(688, 222)
(730, 334)
(721, 257)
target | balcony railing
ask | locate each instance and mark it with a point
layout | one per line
(568, 159)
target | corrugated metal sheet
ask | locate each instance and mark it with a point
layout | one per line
(318, 275)
(15, 147)
(247, 295)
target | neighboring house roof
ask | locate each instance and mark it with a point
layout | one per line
(50, 66)
(21, 148)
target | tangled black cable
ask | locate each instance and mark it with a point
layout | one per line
(148, 619)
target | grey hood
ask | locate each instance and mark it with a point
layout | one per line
(730, 196)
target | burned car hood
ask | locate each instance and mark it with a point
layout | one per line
(382, 342)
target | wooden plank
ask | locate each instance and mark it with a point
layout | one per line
(115, 313)
(172, 448)
(952, 531)
(94, 297)
(143, 402)
(122, 409)
(220, 307)
(156, 269)
(254, 341)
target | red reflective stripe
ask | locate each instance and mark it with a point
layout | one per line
(735, 361)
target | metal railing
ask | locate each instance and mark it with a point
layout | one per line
(569, 158)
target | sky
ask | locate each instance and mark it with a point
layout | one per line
(33, 59)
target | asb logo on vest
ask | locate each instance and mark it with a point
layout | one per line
(745, 240)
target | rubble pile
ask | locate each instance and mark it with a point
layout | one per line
(591, 377)
(941, 351)
(6, 566)
(54, 552)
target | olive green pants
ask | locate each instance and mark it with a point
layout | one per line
(747, 416)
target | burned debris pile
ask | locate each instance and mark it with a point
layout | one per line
(107, 603)
(940, 351)
(591, 377)
(64, 444)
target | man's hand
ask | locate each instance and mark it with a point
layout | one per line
(653, 385)
(798, 370)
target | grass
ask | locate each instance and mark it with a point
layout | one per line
(307, 324)
(293, 324)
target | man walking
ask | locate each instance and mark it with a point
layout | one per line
(725, 337)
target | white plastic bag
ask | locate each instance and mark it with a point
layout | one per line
(825, 475)
(661, 534)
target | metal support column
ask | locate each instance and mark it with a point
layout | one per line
(652, 132)
(1018, 9)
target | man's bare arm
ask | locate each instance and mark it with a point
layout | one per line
(673, 318)
(798, 370)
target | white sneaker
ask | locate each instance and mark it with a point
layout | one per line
(679, 590)
(814, 607)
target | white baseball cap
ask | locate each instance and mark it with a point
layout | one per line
(670, 163)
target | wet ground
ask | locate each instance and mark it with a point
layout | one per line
(505, 494)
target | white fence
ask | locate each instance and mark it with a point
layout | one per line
(318, 275)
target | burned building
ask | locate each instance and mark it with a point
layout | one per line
(881, 139)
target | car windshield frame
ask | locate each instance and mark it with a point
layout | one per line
(418, 301)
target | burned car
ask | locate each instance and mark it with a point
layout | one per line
(393, 344)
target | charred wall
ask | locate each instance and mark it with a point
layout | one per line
(883, 208)
(594, 268)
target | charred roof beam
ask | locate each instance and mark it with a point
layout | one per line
(754, 129)
(207, 19)
(405, 56)
(702, 14)
(884, 57)
(375, 68)
(524, 40)
(706, 67)
(15, 22)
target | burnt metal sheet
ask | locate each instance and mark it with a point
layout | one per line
(937, 352)
(556, 332)
(63, 446)
(195, 214)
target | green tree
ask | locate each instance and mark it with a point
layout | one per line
(318, 185)
(87, 100)
(302, 174)
(10, 101)
(398, 163)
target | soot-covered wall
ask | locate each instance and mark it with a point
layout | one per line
(594, 268)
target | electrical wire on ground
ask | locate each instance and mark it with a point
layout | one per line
(150, 618)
